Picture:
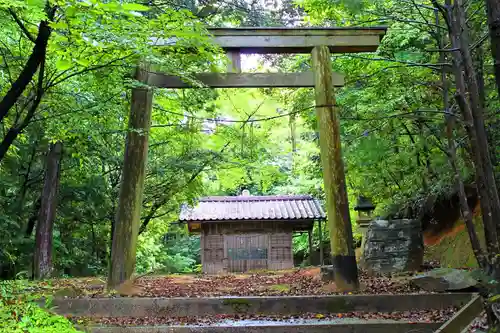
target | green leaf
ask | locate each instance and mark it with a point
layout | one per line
(135, 7)
(59, 25)
(494, 299)
(63, 64)
(83, 62)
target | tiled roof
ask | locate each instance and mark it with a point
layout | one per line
(289, 207)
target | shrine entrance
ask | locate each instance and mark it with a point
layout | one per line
(320, 42)
(246, 252)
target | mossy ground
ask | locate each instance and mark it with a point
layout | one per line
(454, 249)
(280, 287)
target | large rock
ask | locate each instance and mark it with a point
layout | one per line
(393, 246)
(444, 279)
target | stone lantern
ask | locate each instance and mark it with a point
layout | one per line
(364, 207)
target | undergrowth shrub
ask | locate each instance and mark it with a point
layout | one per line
(20, 313)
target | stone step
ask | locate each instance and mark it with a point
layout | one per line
(287, 305)
(246, 326)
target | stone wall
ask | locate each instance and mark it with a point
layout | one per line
(393, 246)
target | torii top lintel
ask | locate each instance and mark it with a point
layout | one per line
(265, 40)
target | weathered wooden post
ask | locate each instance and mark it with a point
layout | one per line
(126, 227)
(339, 222)
(234, 64)
(320, 237)
(310, 243)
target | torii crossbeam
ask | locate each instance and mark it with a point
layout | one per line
(320, 42)
(280, 40)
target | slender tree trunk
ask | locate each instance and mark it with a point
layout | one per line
(478, 118)
(493, 12)
(24, 186)
(489, 185)
(16, 129)
(452, 159)
(31, 66)
(46, 216)
(33, 218)
(464, 206)
(339, 221)
(126, 226)
(470, 108)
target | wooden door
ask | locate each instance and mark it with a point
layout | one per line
(247, 252)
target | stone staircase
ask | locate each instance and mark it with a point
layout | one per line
(423, 313)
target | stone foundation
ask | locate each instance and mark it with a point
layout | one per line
(393, 246)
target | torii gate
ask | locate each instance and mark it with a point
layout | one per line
(320, 42)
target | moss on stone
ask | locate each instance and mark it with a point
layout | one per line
(280, 287)
(339, 305)
(239, 305)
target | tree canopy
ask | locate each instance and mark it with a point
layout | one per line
(66, 73)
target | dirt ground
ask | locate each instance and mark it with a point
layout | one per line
(280, 283)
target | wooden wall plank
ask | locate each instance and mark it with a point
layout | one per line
(213, 254)
(281, 249)
(273, 235)
(242, 80)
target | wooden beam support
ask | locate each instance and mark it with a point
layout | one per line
(234, 65)
(298, 44)
(320, 237)
(292, 40)
(243, 80)
(310, 241)
(339, 222)
(127, 219)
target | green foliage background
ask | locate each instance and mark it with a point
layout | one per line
(215, 142)
(212, 142)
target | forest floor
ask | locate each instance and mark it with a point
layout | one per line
(304, 281)
(279, 283)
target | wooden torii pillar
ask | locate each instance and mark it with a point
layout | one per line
(235, 41)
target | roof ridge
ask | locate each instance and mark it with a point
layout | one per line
(257, 198)
(243, 208)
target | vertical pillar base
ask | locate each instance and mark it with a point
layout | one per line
(345, 272)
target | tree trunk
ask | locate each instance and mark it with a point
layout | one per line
(45, 225)
(33, 218)
(126, 226)
(452, 159)
(31, 66)
(493, 12)
(16, 129)
(471, 108)
(464, 206)
(24, 186)
(339, 222)
(478, 119)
